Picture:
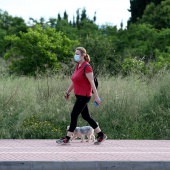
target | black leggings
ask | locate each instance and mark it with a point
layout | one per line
(81, 106)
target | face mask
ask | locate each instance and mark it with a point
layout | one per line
(77, 57)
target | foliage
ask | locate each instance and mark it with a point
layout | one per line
(37, 50)
(137, 8)
(133, 66)
(109, 47)
(13, 25)
(158, 16)
(3, 68)
(33, 128)
(162, 61)
(103, 54)
(17, 25)
(63, 26)
(163, 40)
(8, 26)
(133, 107)
(81, 27)
(142, 38)
(2, 40)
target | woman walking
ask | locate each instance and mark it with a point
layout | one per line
(83, 85)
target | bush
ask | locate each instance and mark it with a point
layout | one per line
(38, 49)
(133, 66)
(33, 128)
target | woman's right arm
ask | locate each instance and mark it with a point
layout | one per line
(69, 91)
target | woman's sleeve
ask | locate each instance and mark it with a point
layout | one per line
(88, 69)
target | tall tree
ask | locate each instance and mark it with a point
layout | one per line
(52, 22)
(17, 25)
(137, 8)
(74, 23)
(78, 18)
(12, 25)
(5, 20)
(59, 17)
(83, 14)
(65, 16)
(94, 18)
(157, 16)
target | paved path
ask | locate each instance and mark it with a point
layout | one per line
(143, 152)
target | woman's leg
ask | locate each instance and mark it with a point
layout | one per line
(80, 104)
(86, 116)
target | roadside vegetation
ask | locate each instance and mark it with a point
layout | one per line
(132, 65)
(132, 107)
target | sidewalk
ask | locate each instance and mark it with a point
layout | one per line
(110, 155)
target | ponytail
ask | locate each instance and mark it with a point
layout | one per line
(87, 58)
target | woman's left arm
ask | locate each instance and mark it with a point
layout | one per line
(91, 80)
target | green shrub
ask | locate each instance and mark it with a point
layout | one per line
(133, 66)
(33, 128)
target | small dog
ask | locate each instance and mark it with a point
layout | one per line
(81, 132)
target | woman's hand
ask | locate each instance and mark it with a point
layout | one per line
(67, 96)
(97, 100)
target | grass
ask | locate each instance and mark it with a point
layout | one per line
(132, 107)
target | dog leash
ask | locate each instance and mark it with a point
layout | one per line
(68, 106)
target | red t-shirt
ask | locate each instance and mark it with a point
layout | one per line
(81, 84)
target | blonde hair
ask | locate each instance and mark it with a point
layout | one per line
(83, 51)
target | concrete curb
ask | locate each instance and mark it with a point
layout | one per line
(77, 165)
